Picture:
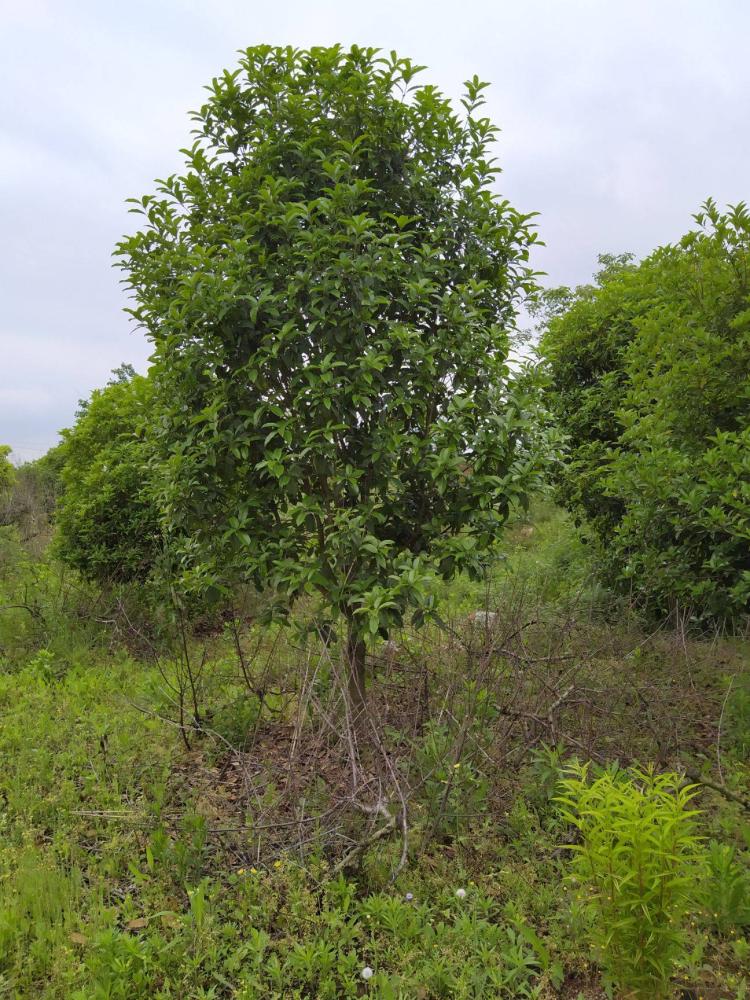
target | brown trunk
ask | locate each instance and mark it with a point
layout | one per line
(355, 658)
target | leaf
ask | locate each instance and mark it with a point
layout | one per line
(137, 924)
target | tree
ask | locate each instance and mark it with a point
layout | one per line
(650, 378)
(584, 332)
(107, 523)
(7, 480)
(28, 501)
(329, 288)
(7, 473)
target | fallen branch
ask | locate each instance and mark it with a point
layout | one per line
(721, 789)
(363, 845)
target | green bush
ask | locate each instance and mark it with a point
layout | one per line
(727, 889)
(649, 376)
(634, 870)
(27, 502)
(330, 288)
(737, 718)
(107, 521)
(453, 792)
(684, 540)
(43, 607)
(7, 473)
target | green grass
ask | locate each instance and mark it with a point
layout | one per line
(107, 891)
(128, 870)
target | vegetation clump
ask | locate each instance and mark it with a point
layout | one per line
(650, 379)
(6, 470)
(330, 289)
(106, 517)
(634, 870)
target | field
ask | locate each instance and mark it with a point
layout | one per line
(380, 627)
(183, 816)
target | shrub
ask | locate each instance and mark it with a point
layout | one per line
(454, 792)
(737, 716)
(634, 869)
(107, 521)
(585, 334)
(43, 607)
(684, 540)
(28, 501)
(329, 289)
(649, 375)
(7, 473)
(727, 889)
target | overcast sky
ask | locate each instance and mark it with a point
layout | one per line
(618, 118)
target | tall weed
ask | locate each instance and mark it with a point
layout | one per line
(634, 867)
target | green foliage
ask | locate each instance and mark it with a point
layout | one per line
(585, 334)
(43, 609)
(329, 288)
(44, 474)
(133, 868)
(28, 503)
(7, 473)
(635, 870)
(7, 480)
(650, 377)
(737, 718)
(453, 792)
(107, 520)
(542, 779)
(727, 889)
(108, 890)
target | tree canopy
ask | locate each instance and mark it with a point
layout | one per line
(650, 377)
(329, 288)
(107, 522)
(7, 473)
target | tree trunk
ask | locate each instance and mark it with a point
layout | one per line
(355, 658)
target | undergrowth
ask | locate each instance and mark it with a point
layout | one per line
(134, 865)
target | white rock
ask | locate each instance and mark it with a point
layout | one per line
(485, 618)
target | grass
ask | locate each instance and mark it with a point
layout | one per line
(132, 865)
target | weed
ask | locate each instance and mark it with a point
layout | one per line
(727, 889)
(634, 869)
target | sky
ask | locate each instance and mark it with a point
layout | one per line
(618, 118)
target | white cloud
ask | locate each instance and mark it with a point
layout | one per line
(617, 119)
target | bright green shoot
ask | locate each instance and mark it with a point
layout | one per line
(635, 867)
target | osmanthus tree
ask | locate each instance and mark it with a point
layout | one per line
(649, 376)
(585, 332)
(329, 288)
(106, 519)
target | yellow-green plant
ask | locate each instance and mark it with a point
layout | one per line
(634, 868)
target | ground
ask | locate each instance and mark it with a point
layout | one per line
(143, 855)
